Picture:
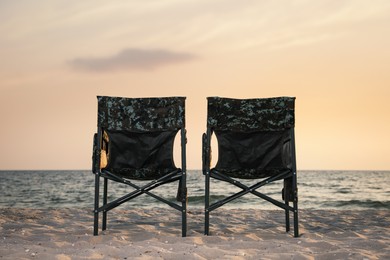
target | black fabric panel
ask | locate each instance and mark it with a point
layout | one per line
(253, 154)
(130, 152)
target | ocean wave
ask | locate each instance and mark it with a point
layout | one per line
(316, 190)
(366, 204)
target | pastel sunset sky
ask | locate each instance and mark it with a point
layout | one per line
(58, 55)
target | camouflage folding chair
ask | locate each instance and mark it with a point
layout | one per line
(255, 141)
(135, 141)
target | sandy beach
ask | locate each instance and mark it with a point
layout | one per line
(155, 234)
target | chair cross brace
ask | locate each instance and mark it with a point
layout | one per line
(140, 190)
(250, 189)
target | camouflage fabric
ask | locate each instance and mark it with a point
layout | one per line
(265, 114)
(141, 114)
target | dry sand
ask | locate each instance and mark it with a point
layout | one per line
(156, 234)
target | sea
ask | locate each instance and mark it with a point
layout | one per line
(343, 190)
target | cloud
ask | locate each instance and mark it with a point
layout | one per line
(131, 59)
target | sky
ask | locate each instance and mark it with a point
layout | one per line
(58, 55)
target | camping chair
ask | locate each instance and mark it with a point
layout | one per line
(255, 141)
(135, 141)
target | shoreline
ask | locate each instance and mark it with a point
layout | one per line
(156, 234)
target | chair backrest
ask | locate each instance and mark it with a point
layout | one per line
(139, 134)
(254, 135)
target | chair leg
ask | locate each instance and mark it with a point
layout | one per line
(287, 212)
(296, 231)
(184, 206)
(295, 203)
(96, 213)
(207, 203)
(104, 223)
(184, 223)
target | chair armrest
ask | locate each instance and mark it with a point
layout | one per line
(206, 153)
(181, 192)
(288, 193)
(95, 154)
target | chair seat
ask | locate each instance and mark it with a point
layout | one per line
(250, 173)
(142, 174)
